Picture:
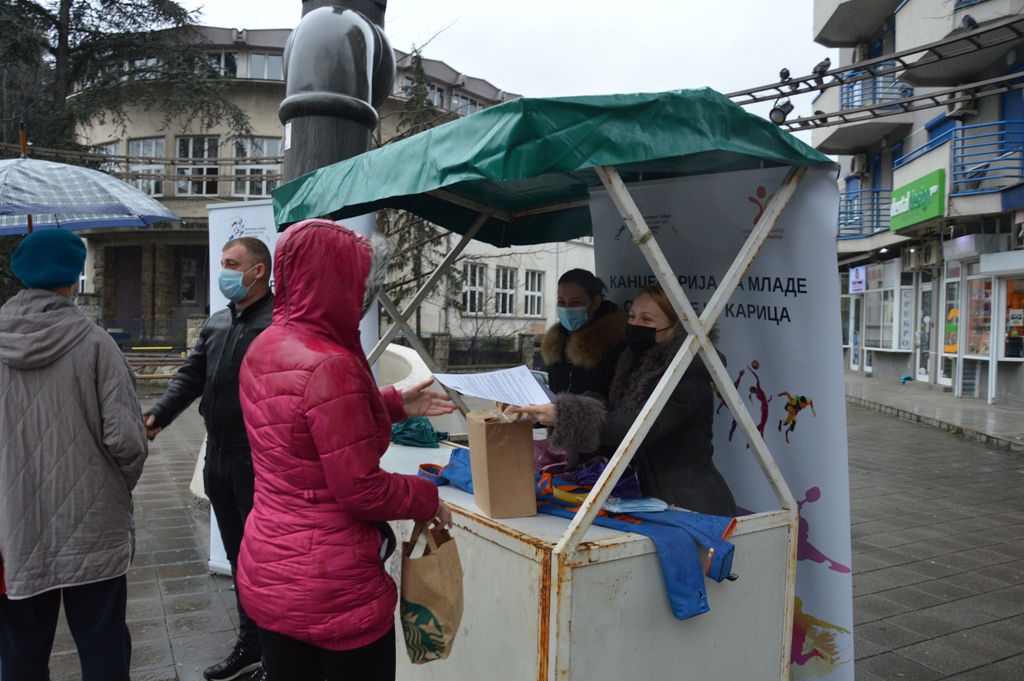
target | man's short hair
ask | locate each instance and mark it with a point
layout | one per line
(256, 249)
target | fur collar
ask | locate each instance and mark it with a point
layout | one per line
(636, 375)
(588, 346)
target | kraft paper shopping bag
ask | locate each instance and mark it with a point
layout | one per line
(431, 603)
(501, 452)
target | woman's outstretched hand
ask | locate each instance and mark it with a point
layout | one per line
(443, 518)
(545, 414)
(418, 401)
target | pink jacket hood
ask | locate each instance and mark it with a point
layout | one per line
(320, 271)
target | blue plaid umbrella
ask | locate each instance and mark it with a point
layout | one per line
(72, 197)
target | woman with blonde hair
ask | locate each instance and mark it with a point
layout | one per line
(674, 462)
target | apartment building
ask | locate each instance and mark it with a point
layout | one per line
(930, 243)
(151, 280)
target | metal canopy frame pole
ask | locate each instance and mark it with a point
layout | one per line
(697, 342)
(425, 290)
(391, 309)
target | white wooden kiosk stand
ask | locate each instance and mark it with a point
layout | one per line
(545, 597)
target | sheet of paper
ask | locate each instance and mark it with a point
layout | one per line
(515, 386)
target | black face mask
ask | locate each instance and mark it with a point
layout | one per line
(640, 339)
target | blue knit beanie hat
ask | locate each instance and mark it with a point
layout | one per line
(49, 259)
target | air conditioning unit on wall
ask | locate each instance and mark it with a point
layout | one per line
(859, 165)
(921, 256)
(964, 108)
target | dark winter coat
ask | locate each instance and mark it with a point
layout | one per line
(584, 361)
(211, 372)
(674, 462)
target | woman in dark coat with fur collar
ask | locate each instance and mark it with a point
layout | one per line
(674, 462)
(582, 349)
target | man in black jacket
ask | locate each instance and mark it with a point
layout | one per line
(211, 372)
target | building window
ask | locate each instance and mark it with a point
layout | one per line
(1013, 345)
(194, 149)
(979, 316)
(224, 63)
(474, 289)
(464, 105)
(188, 290)
(265, 66)
(505, 291)
(251, 179)
(435, 95)
(146, 165)
(879, 319)
(534, 299)
(108, 149)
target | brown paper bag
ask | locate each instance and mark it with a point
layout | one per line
(501, 454)
(431, 607)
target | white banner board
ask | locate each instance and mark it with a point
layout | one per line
(256, 219)
(782, 337)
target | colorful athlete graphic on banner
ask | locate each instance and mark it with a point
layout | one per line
(788, 295)
(794, 405)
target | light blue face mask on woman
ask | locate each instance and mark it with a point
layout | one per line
(230, 284)
(572, 318)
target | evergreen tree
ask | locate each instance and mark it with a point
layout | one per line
(112, 56)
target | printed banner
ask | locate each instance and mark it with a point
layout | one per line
(256, 219)
(233, 220)
(782, 338)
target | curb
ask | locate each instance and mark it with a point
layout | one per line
(969, 433)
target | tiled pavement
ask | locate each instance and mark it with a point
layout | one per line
(938, 553)
(938, 546)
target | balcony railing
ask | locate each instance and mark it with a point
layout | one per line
(873, 91)
(863, 213)
(172, 177)
(987, 157)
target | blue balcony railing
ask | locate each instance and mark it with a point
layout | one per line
(987, 157)
(873, 91)
(863, 213)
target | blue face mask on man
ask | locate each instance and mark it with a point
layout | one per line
(573, 318)
(230, 284)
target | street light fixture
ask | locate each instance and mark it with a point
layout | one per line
(782, 108)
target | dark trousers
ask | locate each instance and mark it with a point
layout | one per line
(229, 480)
(286, 658)
(96, 618)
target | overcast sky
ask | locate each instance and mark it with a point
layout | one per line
(545, 48)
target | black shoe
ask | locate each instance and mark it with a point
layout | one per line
(260, 674)
(239, 663)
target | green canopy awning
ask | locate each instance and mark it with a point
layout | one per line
(532, 161)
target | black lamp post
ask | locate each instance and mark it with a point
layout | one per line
(339, 67)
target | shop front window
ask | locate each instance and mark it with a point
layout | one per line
(979, 319)
(1013, 345)
(951, 318)
(879, 320)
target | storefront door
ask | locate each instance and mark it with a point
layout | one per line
(924, 331)
(950, 324)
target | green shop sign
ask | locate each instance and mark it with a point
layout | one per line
(920, 200)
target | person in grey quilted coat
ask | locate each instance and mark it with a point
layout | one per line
(72, 447)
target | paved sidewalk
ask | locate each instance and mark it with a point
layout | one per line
(1001, 425)
(938, 546)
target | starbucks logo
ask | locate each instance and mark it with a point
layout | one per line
(423, 636)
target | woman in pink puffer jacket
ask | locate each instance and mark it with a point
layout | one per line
(310, 572)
